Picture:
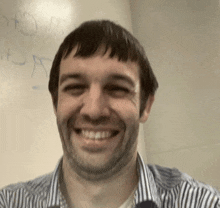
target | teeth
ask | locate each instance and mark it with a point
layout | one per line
(86, 133)
(96, 135)
(91, 134)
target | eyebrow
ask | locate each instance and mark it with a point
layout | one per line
(65, 77)
(123, 78)
(117, 77)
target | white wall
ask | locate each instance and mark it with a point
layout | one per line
(182, 41)
(30, 33)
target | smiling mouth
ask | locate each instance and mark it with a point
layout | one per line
(96, 135)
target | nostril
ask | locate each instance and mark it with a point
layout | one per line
(96, 120)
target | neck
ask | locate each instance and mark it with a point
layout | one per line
(111, 192)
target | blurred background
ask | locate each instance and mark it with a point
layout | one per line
(182, 42)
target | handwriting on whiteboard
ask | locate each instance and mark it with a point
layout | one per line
(20, 20)
(17, 35)
(39, 63)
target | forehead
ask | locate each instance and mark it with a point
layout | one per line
(99, 65)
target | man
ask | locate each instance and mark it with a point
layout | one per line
(102, 87)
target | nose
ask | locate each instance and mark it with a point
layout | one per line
(95, 105)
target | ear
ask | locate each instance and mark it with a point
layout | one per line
(147, 109)
(54, 107)
(55, 110)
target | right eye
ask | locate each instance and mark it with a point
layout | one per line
(76, 89)
(117, 91)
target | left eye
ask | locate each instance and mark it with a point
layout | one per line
(75, 89)
(117, 91)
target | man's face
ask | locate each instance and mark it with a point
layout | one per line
(98, 114)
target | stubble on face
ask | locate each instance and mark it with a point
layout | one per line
(122, 155)
(124, 115)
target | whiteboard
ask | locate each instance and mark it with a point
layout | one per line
(30, 34)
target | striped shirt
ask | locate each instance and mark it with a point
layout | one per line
(163, 187)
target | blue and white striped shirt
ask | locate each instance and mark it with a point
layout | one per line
(164, 187)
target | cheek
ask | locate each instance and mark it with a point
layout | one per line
(66, 104)
(128, 111)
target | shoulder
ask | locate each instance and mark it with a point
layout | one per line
(164, 177)
(169, 178)
(171, 182)
(36, 188)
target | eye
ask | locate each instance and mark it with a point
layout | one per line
(75, 89)
(117, 91)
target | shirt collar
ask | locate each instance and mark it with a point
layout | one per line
(53, 198)
(146, 190)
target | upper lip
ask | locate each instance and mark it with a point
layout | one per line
(96, 129)
(111, 132)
